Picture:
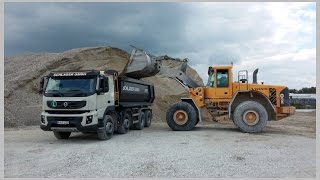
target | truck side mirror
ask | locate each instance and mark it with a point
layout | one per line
(41, 85)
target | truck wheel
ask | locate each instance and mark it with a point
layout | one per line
(142, 119)
(148, 118)
(107, 130)
(61, 135)
(125, 123)
(181, 116)
(250, 117)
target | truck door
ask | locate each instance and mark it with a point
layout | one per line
(223, 83)
(104, 99)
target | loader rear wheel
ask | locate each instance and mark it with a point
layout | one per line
(181, 116)
(250, 117)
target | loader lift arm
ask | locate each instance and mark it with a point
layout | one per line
(142, 64)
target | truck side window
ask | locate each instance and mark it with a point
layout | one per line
(106, 83)
(222, 78)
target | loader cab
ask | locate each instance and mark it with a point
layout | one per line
(220, 78)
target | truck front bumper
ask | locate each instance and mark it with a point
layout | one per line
(71, 122)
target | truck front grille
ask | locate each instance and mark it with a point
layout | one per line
(77, 119)
(66, 104)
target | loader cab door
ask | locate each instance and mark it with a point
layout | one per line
(223, 83)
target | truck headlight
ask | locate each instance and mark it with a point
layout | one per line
(89, 119)
(43, 119)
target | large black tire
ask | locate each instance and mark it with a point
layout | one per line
(125, 122)
(148, 118)
(250, 117)
(108, 128)
(61, 135)
(197, 121)
(142, 119)
(181, 116)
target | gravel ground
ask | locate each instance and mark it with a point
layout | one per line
(210, 150)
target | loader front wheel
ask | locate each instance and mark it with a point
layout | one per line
(181, 116)
(250, 117)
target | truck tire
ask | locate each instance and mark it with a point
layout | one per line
(61, 135)
(108, 128)
(148, 118)
(142, 119)
(250, 117)
(181, 116)
(125, 122)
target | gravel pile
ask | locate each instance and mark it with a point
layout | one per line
(23, 73)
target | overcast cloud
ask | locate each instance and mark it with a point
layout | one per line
(277, 38)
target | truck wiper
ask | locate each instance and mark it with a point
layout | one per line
(77, 90)
(55, 91)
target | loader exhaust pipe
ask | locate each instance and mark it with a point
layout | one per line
(254, 81)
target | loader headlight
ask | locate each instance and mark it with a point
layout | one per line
(282, 98)
(89, 119)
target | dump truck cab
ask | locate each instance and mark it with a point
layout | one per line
(75, 101)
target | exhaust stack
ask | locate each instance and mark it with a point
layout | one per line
(254, 81)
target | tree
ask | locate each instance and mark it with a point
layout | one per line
(305, 90)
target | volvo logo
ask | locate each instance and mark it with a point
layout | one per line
(54, 104)
(65, 104)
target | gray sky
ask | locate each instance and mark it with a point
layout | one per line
(278, 38)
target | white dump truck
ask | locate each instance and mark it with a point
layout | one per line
(94, 101)
(105, 101)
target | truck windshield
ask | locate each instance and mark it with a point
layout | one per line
(71, 86)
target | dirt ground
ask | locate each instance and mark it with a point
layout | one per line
(286, 148)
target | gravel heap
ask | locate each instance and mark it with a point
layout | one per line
(23, 73)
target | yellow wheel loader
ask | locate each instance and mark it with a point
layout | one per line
(249, 105)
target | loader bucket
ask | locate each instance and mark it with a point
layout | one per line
(141, 65)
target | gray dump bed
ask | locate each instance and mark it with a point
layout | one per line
(135, 93)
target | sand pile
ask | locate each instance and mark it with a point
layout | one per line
(23, 73)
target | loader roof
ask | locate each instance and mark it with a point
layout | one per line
(221, 66)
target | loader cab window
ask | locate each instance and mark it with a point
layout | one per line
(222, 78)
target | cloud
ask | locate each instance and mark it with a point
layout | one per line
(278, 38)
